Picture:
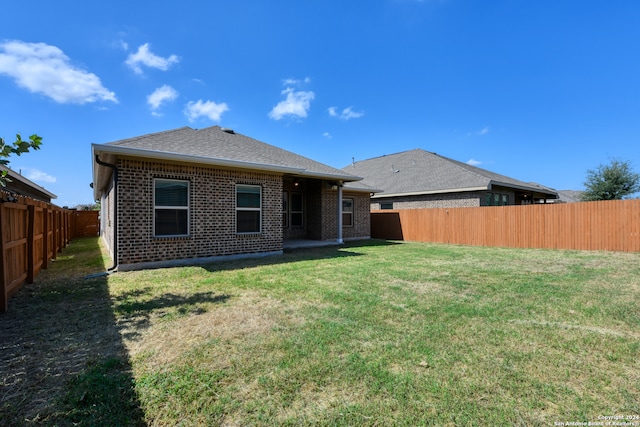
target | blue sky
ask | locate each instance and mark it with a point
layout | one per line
(537, 90)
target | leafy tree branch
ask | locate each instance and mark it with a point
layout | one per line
(18, 147)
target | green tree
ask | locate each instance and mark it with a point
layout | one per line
(18, 147)
(613, 181)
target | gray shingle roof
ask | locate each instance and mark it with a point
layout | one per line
(422, 172)
(215, 144)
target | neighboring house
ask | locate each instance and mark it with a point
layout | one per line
(568, 196)
(188, 195)
(421, 179)
(18, 184)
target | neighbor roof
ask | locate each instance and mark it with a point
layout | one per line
(213, 146)
(35, 189)
(418, 172)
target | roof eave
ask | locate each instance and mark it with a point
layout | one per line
(524, 188)
(18, 177)
(329, 176)
(422, 193)
(98, 149)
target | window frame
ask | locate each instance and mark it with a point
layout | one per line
(384, 206)
(497, 199)
(350, 213)
(249, 209)
(186, 208)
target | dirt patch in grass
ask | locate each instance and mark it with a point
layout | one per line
(245, 316)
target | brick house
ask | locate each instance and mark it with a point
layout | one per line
(420, 179)
(185, 196)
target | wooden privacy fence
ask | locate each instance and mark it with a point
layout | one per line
(85, 224)
(607, 225)
(32, 232)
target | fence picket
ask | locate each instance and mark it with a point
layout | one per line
(606, 225)
(32, 232)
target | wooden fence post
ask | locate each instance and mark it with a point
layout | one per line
(31, 217)
(3, 278)
(56, 235)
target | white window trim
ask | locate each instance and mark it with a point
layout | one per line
(353, 208)
(245, 209)
(187, 208)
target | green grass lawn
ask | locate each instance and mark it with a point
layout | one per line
(374, 333)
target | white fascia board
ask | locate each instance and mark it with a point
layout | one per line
(338, 177)
(423, 193)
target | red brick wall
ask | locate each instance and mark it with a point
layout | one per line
(212, 230)
(452, 200)
(469, 199)
(361, 215)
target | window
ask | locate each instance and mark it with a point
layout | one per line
(297, 210)
(347, 212)
(497, 199)
(285, 209)
(171, 207)
(386, 205)
(248, 208)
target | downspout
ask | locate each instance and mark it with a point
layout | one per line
(339, 239)
(114, 168)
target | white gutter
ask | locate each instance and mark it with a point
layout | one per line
(347, 178)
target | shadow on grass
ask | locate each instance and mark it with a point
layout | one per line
(135, 314)
(62, 359)
(348, 249)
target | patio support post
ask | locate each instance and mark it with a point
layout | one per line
(339, 239)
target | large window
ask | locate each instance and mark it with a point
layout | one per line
(171, 207)
(297, 210)
(347, 212)
(248, 208)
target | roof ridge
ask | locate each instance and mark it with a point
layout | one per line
(149, 135)
(393, 154)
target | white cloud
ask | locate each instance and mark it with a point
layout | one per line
(346, 114)
(37, 175)
(296, 82)
(161, 95)
(208, 109)
(485, 130)
(474, 162)
(45, 69)
(327, 135)
(145, 57)
(297, 103)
